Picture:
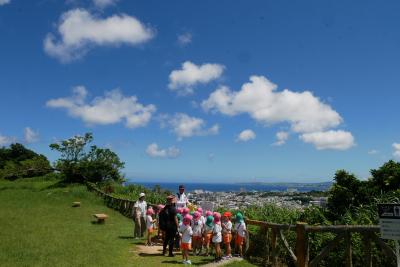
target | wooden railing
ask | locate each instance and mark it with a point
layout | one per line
(124, 206)
(300, 255)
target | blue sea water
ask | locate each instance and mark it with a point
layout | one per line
(225, 187)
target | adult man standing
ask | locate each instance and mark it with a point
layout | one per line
(183, 200)
(169, 222)
(140, 208)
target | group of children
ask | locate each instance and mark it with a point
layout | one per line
(198, 230)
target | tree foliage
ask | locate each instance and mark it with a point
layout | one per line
(17, 161)
(387, 177)
(79, 163)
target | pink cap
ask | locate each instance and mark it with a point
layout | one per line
(217, 218)
(160, 206)
(196, 215)
(179, 210)
(187, 219)
(200, 210)
(186, 210)
(208, 213)
(150, 211)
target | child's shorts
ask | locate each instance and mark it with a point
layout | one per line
(239, 240)
(227, 238)
(207, 238)
(197, 238)
(186, 246)
(150, 230)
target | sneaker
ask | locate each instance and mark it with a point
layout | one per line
(184, 262)
(189, 262)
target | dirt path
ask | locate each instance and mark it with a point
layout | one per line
(157, 250)
(222, 263)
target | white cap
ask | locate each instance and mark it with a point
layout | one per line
(141, 195)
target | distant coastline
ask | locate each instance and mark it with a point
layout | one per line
(237, 187)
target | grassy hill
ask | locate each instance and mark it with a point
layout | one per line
(39, 227)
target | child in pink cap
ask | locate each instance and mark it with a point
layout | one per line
(197, 226)
(186, 232)
(149, 224)
(217, 236)
(202, 218)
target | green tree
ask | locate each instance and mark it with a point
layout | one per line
(387, 177)
(79, 163)
(343, 193)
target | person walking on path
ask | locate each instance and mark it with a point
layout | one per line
(169, 221)
(182, 200)
(140, 208)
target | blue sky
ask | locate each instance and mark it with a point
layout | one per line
(207, 91)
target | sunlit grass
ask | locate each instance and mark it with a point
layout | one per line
(39, 227)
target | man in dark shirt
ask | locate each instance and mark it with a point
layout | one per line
(171, 225)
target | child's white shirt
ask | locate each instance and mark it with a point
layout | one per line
(202, 219)
(149, 221)
(208, 229)
(217, 236)
(241, 229)
(197, 227)
(186, 232)
(228, 227)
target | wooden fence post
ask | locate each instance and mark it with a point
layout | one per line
(273, 246)
(367, 246)
(266, 258)
(349, 256)
(301, 245)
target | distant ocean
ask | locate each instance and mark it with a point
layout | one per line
(237, 187)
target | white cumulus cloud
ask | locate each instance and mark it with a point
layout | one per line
(281, 138)
(396, 147)
(246, 135)
(373, 152)
(259, 98)
(185, 79)
(30, 136)
(184, 126)
(185, 39)
(79, 31)
(111, 108)
(4, 2)
(6, 140)
(337, 140)
(155, 152)
(104, 3)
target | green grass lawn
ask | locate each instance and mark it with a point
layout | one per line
(39, 227)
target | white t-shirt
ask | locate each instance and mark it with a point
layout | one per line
(149, 222)
(241, 229)
(197, 227)
(142, 205)
(208, 229)
(186, 232)
(217, 236)
(228, 227)
(182, 200)
(202, 219)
